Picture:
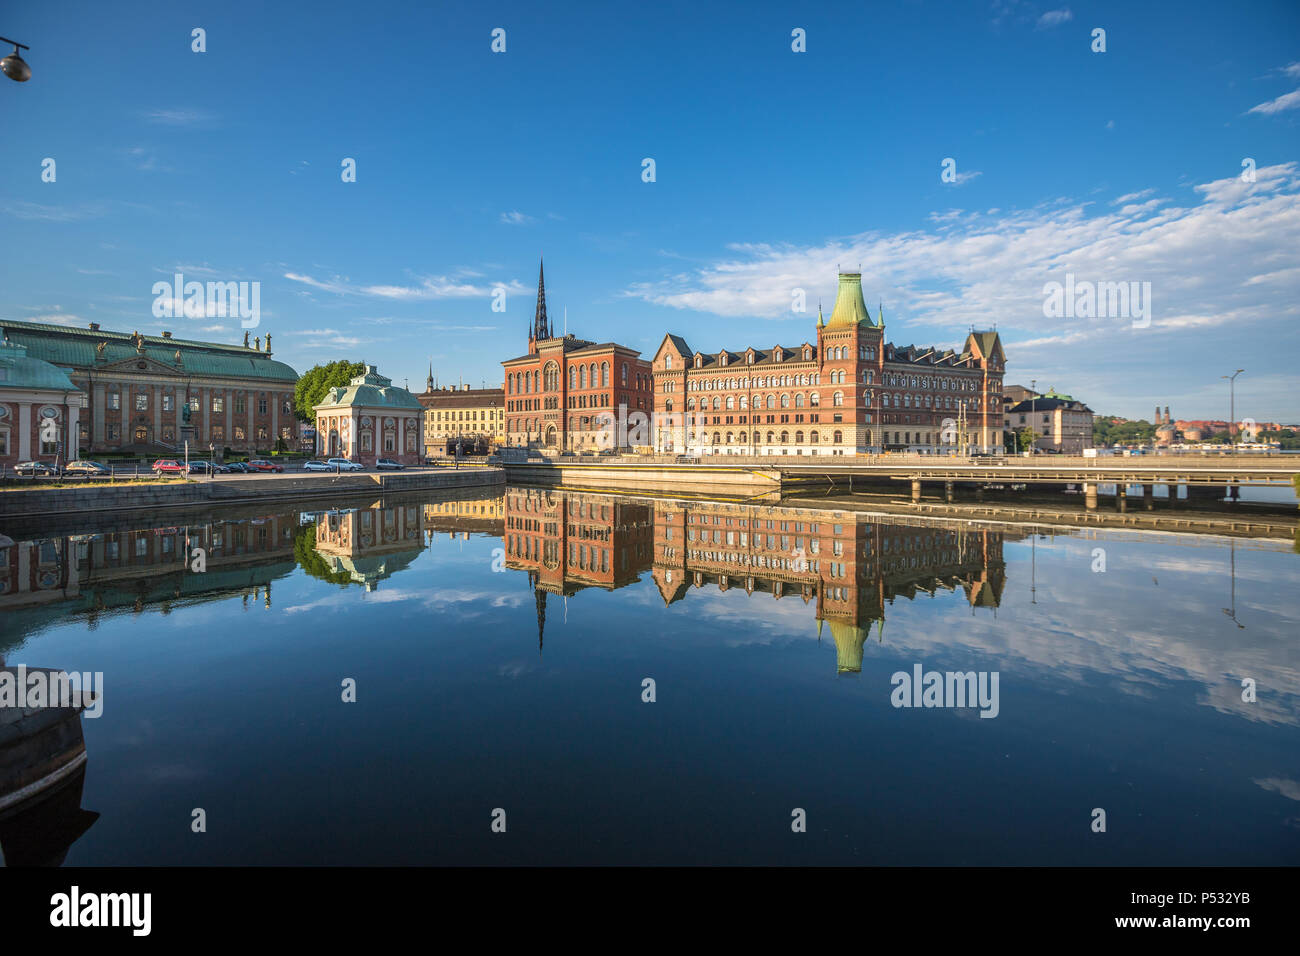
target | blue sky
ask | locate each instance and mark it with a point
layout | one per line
(772, 167)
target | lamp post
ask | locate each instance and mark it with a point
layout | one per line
(1033, 412)
(14, 66)
(1232, 402)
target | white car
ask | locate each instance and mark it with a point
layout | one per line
(316, 466)
(343, 464)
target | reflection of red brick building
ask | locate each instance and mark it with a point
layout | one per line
(568, 541)
(846, 568)
(559, 393)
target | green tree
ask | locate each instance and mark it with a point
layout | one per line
(1025, 438)
(316, 381)
(304, 550)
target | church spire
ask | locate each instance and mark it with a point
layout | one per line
(541, 328)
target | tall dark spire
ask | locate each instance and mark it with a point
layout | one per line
(541, 617)
(541, 328)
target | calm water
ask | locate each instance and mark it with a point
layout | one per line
(499, 645)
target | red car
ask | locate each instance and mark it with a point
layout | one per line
(261, 464)
(168, 466)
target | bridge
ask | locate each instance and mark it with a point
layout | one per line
(1203, 476)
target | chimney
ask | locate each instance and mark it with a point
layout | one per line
(166, 334)
(94, 326)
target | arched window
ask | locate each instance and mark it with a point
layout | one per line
(837, 399)
(769, 438)
(813, 438)
(798, 400)
(604, 375)
(717, 403)
(625, 374)
(715, 438)
(798, 438)
(785, 401)
(744, 402)
(552, 377)
(668, 362)
(728, 438)
(690, 404)
(839, 437)
(744, 438)
(668, 406)
(815, 399)
(582, 376)
(771, 401)
(573, 376)
(731, 403)
(785, 438)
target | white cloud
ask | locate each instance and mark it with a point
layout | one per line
(178, 117)
(1287, 101)
(516, 218)
(1054, 18)
(427, 287)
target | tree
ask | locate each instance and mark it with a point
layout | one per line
(1025, 438)
(316, 381)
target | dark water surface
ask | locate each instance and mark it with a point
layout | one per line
(499, 645)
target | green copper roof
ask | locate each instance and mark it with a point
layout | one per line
(849, 309)
(73, 348)
(18, 370)
(372, 389)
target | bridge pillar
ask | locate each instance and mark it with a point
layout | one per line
(1121, 496)
(1090, 495)
(1173, 495)
(916, 489)
(1234, 492)
(1148, 497)
(947, 490)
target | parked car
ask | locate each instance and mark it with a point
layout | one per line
(388, 463)
(91, 469)
(207, 467)
(238, 467)
(315, 465)
(344, 464)
(168, 466)
(35, 469)
(261, 464)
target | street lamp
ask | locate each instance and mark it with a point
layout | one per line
(1232, 399)
(14, 66)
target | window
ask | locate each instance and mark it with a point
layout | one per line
(261, 406)
(837, 399)
(142, 401)
(218, 433)
(218, 403)
(114, 400)
(168, 402)
(241, 405)
(261, 433)
(668, 362)
(240, 434)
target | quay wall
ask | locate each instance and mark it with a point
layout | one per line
(101, 497)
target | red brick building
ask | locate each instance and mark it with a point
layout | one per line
(566, 391)
(849, 392)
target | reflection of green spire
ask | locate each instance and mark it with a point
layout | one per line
(848, 647)
(820, 622)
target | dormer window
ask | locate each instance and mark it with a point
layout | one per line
(749, 358)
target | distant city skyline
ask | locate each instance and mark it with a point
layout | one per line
(773, 168)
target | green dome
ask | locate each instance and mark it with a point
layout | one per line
(19, 371)
(850, 309)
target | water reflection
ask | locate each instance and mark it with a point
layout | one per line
(1128, 680)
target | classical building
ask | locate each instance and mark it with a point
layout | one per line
(849, 392)
(369, 418)
(473, 417)
(1063, 424)
(39, 408)
(566, 391)
(138, 386)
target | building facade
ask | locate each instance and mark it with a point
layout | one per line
(849, 392)
(1063, 425)
(40, 409)
(570, 394)
(138, 387)
(367, 419)
(473, 417)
